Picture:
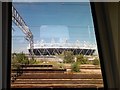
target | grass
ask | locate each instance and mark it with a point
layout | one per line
(54, 63)
(58, 65)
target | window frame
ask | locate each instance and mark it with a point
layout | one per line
(105, 36)
(96, 8)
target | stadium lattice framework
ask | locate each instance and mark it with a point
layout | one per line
(57, 48)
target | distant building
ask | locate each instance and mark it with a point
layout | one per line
(57, 48)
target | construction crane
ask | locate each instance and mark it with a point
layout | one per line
(18, 20)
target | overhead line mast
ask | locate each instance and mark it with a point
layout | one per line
(18, 20)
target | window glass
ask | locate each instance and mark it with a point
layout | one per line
(63, 36)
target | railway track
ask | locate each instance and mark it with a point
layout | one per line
(56, 79)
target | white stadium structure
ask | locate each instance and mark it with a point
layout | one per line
(42, 48)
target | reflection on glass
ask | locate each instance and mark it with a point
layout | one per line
(65, 50)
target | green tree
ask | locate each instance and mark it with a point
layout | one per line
(68, 57)
(32, 61)
(75, 67)
(21, 58)
(18, 59)
(96, 61)
(81, 59)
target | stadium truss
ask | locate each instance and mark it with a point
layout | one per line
(57, 48)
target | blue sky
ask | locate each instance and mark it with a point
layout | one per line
(55, 20)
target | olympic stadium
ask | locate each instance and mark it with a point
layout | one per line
(57, 48)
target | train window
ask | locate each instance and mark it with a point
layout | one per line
(54, 45)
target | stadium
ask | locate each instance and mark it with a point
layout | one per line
(41, 48)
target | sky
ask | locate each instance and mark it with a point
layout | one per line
(54, 20)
